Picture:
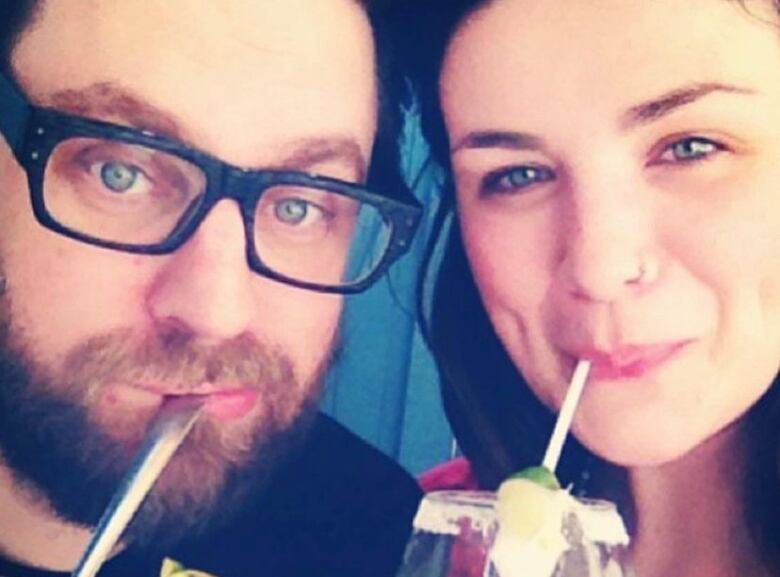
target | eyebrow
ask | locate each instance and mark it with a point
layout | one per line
(656, 108)
(640, 114)
(505, 139)
(107, 100)
(309, 152)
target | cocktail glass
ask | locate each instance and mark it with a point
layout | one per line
(457, 534)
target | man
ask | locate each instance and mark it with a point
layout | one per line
(182, 206)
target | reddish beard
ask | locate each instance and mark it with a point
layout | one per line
(56, 434)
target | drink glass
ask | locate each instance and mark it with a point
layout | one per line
(455, 535)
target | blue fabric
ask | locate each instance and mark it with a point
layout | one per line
(384, 385)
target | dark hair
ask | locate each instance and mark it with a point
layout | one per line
(498, 422)
(384, 173)
(14, 17)
(424, 28)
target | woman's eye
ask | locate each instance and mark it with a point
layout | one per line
(516, 178)
(690, 149)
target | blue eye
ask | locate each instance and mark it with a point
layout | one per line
(514, 179)
(293, 211)
(690, 149)
(118, 177)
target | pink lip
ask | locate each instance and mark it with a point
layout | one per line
(630, 361)
(231, 404)
(225, 403)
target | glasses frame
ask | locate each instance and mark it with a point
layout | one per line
(33, 133)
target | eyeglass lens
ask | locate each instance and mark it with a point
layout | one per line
(135, 195)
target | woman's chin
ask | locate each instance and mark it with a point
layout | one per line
(635, 453)
(649, 440)
(633, 441)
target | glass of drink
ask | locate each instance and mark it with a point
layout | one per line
(547, 533)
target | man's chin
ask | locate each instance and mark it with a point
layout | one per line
(54, 448)
(63, 437)
(203, 488)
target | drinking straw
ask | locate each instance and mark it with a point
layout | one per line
(174, 420)
(565, 417)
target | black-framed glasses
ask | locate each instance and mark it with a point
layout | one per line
(125, 189)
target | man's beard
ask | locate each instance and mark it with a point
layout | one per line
(57, 446)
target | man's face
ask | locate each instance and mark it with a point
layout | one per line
(98, 338)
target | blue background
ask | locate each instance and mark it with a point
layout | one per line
(384, 386)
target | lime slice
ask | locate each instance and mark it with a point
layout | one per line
(530, 510)
(528, 500)
(523, 507)
(539, 475)
(172, 568)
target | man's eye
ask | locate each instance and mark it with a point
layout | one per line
(506, 181)
(119, 177)
(690, 149)
(295, 211)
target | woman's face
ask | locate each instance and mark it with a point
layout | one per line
(618, 181)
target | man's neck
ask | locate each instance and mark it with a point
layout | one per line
(31, 534)
(692, 516)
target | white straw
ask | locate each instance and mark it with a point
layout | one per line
(563, 423)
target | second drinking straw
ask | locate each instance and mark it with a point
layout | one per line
(565, 416)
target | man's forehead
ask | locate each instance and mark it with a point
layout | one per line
(226, 76)
(263, 30)
(113, 103)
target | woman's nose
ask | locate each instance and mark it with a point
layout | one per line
(205, 287)
(610, 250)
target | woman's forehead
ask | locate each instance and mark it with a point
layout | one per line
(515, 54)
(511, 26)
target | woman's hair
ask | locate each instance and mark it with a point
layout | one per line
(498, 422)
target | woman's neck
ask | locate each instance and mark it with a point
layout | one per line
(691, 514)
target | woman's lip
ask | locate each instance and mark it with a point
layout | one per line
(630, 361)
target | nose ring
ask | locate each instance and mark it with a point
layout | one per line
(644, 273)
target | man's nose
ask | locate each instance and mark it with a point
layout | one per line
(611, 249)
(204, 289)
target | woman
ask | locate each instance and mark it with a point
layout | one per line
(616, 171)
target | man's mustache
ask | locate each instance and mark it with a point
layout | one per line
(176, 363)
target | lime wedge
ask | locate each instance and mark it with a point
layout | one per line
(523, 507)
(539, 475)
(530, 508)
(172, 568)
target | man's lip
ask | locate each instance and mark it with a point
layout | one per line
(629, 361)
(205, 388)
(220, 402)
(231, 403)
